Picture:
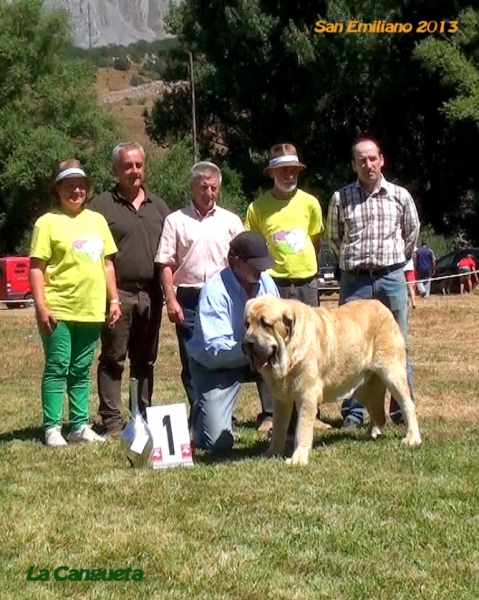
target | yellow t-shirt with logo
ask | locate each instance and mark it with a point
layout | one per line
(287, 226)
(74, 248)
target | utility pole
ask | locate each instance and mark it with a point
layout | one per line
(193, 108)
(89, 26)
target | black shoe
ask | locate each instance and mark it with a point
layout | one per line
(350, 423)
(397, 418)
(264, 422)
(111, 429)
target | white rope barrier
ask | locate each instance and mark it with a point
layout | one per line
(28, 302)
(443, 277)
(335, 286)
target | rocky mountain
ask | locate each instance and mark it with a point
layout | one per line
(103, 22)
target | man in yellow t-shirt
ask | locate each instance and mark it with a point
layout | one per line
(292, 223)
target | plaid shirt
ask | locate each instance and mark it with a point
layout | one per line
(371, 231)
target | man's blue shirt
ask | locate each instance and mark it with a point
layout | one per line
(425, 260)
(219, 324)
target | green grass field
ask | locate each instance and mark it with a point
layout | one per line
(364, 520)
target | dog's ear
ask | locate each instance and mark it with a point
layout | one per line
(288, 322)
(247, 307)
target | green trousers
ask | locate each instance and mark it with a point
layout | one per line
(69, 353)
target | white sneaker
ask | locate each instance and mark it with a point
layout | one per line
(54, 438)
(85, 434)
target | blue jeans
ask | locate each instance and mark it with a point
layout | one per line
(216, 393)
(424, 288)
(391, 290)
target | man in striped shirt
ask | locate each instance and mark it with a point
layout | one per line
(373, 227)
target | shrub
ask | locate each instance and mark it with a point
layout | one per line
(440, 244)
(136, 80)
(148, 74)
(121, 63)
(168, 176)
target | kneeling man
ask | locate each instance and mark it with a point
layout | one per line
(218, 364)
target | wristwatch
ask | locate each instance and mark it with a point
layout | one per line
(115, 301)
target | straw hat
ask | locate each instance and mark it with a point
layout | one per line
(68, 169)
(283, 155)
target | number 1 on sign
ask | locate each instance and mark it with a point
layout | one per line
(169, 433)
(171, 437)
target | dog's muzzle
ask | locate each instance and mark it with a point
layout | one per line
(259, 358)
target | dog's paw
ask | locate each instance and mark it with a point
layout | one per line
(300, 457)
(411, 440)
(375, 433)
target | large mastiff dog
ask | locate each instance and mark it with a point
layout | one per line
(309, 356)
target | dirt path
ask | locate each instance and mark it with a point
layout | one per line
(139, 92)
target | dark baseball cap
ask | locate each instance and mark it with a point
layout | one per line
(251, 247)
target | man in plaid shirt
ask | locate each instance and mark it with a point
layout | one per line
(373, 227)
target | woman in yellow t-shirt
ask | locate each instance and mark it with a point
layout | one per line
(72, 275)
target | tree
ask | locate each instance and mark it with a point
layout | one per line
(169, 177)
(263, 75)
(48, 111)
(451, 188)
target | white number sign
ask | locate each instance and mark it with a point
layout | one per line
(171, 438)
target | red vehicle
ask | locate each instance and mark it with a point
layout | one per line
(14, 283)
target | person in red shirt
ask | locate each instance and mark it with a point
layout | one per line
(410, 274)
(467, 267)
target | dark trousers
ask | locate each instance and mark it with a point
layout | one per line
(308, 294)
(305, 292)
(136, 334)
(188, 300)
